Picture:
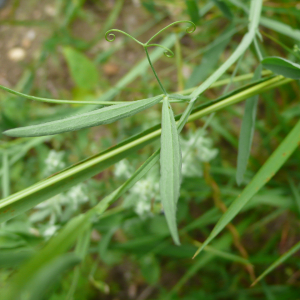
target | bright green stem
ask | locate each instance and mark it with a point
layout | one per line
(154, 72)
(190, 29)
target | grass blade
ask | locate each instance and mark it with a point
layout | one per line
(97, 117)
(266, 172)
(193, 10)
(49, 275)
(247, 131)
(224, 8)
(170, 168)
(272, 24)
(83, 72)
(295, 193)
(5, 175)
(278, 262)
(55, 247)
(281, 28)
(210, 58)
(222, 244)
(282, 66)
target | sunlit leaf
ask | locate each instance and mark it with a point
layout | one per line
(282, 66)
(94, 118)
(170, 168)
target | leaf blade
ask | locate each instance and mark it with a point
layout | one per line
(94, 118)
(247, 131)
(170, 160)
(193, 10)
(83, 71)
(224, 8)
(54, 248)
(282, 66)
(50, 274)
(277, 262)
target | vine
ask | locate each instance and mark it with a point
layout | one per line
(168, 52)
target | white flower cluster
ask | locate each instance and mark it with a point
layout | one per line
(146, 191)
(59, 208)
(123, 169)
(197, 148)
(144, 195)
(54, 162)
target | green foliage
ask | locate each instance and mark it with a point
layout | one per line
(193, 10)
(247, 131)
(267, 171)
(97, 117)
(83, 71)
(282, 67)
(170, 168)
(224, 8)
(110, 222)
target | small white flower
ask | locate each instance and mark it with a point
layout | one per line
(142, 207)
(61, 206)
(196, 149)
(54, 162)
(143, 193)
(49, 232)
(122, 169)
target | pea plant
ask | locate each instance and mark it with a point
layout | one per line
(29, 279)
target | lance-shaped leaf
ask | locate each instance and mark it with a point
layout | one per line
(265, 173)
(49, 275)
(170, 168)
(224, 8)
(57, 246)
(94, 118)
(247, 131)
(282, 67)
(278, 262)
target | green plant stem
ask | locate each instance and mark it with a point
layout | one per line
(176, 99)
(180, 81)
(189, 29)
(154, 72)
(258, 52)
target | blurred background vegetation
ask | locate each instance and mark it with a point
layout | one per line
(56, 49)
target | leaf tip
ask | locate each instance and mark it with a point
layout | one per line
(199, 250)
